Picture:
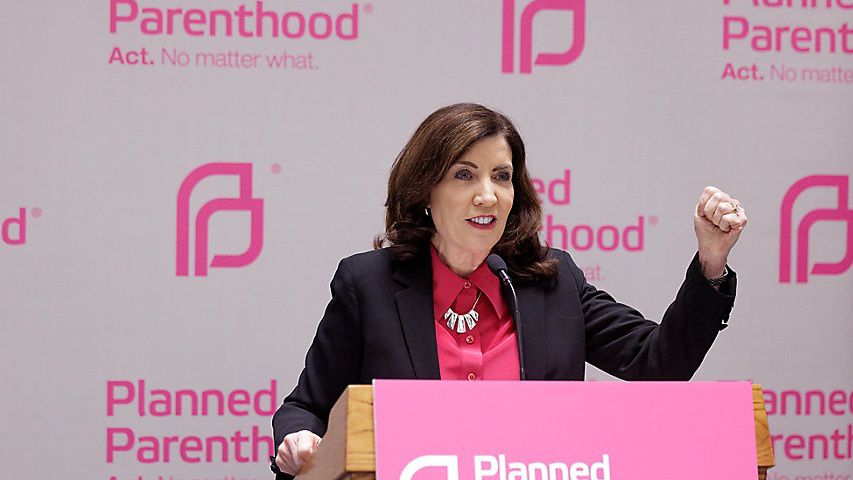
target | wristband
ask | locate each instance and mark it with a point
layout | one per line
(716, 282)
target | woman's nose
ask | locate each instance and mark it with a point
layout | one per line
(486, 195)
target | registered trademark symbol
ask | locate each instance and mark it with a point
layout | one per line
(653, 220)
(36, 212)
(368, 8)
(275, 168)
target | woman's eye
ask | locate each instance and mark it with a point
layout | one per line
(463, 175)
(503, 176)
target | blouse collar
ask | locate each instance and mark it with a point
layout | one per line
(446, 285)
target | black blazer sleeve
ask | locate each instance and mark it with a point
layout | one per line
(333, 362)
(621, 342)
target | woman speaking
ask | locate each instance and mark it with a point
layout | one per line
(424, 303)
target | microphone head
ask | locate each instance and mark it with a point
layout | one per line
(496, 263)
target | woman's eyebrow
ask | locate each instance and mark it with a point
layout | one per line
(474, 166)
(466, 162)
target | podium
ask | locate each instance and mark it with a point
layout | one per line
(347, 449)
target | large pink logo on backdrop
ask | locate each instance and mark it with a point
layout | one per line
(244, 202)
(841, 212)
(572, 52)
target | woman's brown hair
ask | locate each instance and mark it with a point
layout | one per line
(439, 142)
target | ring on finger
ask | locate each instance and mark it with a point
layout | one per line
(735, 207)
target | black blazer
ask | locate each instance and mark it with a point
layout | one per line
(379, 324)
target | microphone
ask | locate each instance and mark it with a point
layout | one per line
(498, 266)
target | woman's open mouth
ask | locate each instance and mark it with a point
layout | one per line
(485, 222)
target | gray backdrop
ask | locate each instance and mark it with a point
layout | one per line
(648, 104)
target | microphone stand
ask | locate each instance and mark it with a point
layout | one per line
(516, 317)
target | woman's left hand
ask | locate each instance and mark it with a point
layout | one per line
(718, 221)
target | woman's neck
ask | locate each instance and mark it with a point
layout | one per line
(461, 262)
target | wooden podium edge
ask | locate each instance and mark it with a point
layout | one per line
(349, 453)
(763, 445)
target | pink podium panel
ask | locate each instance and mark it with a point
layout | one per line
(446, 430)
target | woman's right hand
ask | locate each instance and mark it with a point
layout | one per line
(295, 450)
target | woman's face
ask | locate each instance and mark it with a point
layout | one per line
(471, 204)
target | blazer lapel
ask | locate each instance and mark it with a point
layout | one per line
(414, 306)
(531, 303)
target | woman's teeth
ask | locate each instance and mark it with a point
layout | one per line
(482, 220)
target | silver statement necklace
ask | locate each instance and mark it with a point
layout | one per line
(465, 321)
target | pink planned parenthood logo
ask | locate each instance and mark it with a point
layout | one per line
(243, 202)
(525, 38)
(840, 212)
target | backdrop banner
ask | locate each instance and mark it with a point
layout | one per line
(180, 178)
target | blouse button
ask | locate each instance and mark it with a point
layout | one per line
(467, 285)
(472, 376)
(469, 339)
